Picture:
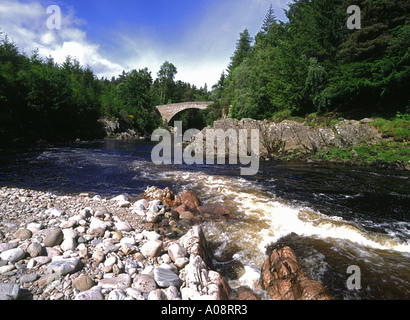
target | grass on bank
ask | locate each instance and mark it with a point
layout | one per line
(395, 146)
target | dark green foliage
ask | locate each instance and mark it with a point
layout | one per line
(41, 100)
(314, 63)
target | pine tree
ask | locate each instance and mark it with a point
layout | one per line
(270, 20)
(243, 50)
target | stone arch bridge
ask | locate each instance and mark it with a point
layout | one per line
(168, 111)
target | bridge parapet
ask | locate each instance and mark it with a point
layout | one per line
(168, 111)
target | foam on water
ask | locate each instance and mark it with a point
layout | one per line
(285, 218)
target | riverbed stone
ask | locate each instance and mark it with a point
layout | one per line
(68, 244)
(186, 215)
(92, 294)
(117, 294)
(189, 199)
(41, 260)
(9, 291)
(152, 248)
(144, 283)
(55, 212)
(123, 226)
(29, 278)
(35, 249)
(122, 281)
(54, 238)
(96, 225)
(157, 294)
(283, 278)
(6, 268)
(13, 255)
(166, 278)
(23, 234)
(83, 283)
(176, 251)
(8, 246)
(65, 266)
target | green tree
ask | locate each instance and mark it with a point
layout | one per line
(243, 50)
(164, 85)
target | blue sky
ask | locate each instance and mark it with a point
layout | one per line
(197, 36)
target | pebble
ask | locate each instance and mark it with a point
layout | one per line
(13, 255)
(8, 246)
(54, 238)
(181, 262)
(29, 278)
(166, 278)
(64, 266)
(117, 294)
(78, 248)
(122, 281)
(35, 249)
(55, 212)
(68, 244)
(123, 226)
(92, 294)
(152, 248)
(9, 291)
(144, 283)
(6, 268)
(98, 256)
(83, 283)
(176, 251)
(157, 294)
(23, 234)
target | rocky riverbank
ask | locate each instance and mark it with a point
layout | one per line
(85, 247)
(349, 142)
(88, 248)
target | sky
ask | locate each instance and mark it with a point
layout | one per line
(197, 36)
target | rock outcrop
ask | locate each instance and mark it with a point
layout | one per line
(283, 278)
(292, 135)
(200, 283)
(118, 130)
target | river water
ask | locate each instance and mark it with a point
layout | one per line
(332, 216)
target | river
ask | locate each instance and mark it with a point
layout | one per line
(332, 216)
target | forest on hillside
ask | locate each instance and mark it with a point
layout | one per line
(44, 100)
(315, 63)
(311, 63)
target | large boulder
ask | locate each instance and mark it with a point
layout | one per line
(190, 200)
(283, 278)
(195, 244)
(201, 282)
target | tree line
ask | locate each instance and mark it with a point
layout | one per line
(43, 100)
(314, 63)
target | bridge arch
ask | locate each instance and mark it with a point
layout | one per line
(169, 111)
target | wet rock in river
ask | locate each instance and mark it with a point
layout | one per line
(283, 278)
(190, 200)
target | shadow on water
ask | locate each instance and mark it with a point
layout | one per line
(383, 274)
(101, 167)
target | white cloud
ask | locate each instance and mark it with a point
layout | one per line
(201, 53)
(205, 48)
(26, 25)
